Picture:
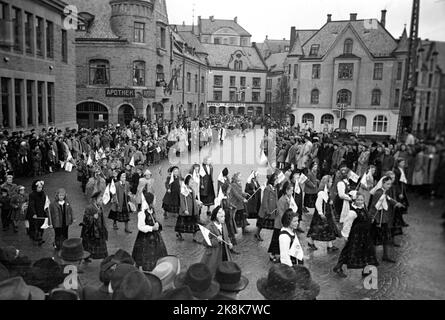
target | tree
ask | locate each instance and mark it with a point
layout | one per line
(281, 99)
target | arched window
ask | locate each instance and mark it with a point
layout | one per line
(315, 94)
(347, 49)
(99, 72)
(344, 97)
(294, 95)
(327, 119)
(359, 124)
(375, 98)
(380, 124)
(238, 65)
(139, 73)
(159, 74)
(308, 118)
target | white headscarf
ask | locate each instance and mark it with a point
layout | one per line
(253, 174)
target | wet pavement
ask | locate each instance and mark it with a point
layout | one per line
(418, 274)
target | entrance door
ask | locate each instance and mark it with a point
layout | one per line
(125, 114)
(343, 123)
(91, 115)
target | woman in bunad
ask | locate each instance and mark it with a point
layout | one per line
(145, 184)
(268, 207)
(298, 196)
(188, 217)
(171, 201)
(253, 190)
(284, 203)
(367, 183)
(19, 203)
(342, 199)
(323, 226)
(195, 183)
(359, 250)
(36, 212)
(120, 210)
(238, 200)
(223, 179)
(291, 252)
(61, 218)
(400, 184)
(381, 211)
(149, 245)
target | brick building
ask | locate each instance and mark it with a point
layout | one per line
(347, 74)
(131, 63)
(37, 66)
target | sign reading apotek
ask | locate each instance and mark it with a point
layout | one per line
(120, 93)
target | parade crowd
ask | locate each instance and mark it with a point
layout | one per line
(353, 189)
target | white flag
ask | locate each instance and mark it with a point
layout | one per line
(205, 233)
(68, 167)
(106, 197)
(382, 204)
(202, 172)
(90, 161)
(281, 177)
(96, 156)
(303, 178)
(263, 159)
(47, 203)
(364, 181)
(112, 187)
(132, 161)
(353, 176)
(144, 204)
(45, 224)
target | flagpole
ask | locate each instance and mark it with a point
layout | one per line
(253, 194)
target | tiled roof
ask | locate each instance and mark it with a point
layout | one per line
(301, 36)
(100, 27)
(192, 41)
(376, 39)
(275, 62)
(209, 27)
(305, 35)
(276, 46)
(219, 55)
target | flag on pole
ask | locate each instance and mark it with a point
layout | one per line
(112, 187)
(47, 203)
(303, 178)
(106, 197)
(90, 161)
(144, 204)
(281, 177)
(205, 233)
(353, 176)
(45, 224)
(364, 181)
(132, 161)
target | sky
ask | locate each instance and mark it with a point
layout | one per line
(274, 18)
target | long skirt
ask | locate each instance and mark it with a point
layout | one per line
(396, 228)
(241, 218)
(148, 248)
(274, 247)
(187, 224)
(231, 225)
(309, 200)
(122, 216)
(265, 223)
(97, 247)
(170, 208)
(323, 229)
(381, 235)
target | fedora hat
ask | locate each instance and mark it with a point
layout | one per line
(138, 286)
(307, 289)
(280, 284)
(119, 274)
(228, 275)
(199, 278)
(45, 274)
(63, 294)
(182, 293)
(72, 250)
(17, 289)
(107, 264)
(167, 268)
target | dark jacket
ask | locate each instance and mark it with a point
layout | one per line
(55, 210)
(269, 202)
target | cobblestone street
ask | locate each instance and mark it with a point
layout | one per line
(418, 274)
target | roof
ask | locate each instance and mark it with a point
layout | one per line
(275, 62)
(192, 41)
(440, 47)
(100, 28)
(184, 28)
(376, 39)
(220, 55)
(276, 46)
(211, 26)
(305, 35)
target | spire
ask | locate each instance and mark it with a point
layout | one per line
(403, 42)
(297, 49)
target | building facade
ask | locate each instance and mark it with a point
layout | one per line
(348, 75)
(131, 63)
(37, 67)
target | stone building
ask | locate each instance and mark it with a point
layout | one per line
(37, 65)
(131, 63)
(348, 75)
(440, 114)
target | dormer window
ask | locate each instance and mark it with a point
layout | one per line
(347, 49)
(314, 50)
(238, 65)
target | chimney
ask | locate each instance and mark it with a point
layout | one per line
(353, 16)
(383, 19)
(212, 18)
(293, 33)
(267, 37)
(329, 17)
(236, 19)
(183, 23)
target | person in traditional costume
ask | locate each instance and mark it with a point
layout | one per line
(238, 200)
(323, 227)
(61, 218)
(400, 185)
(196, 179)
(253, 190)
(359, 250)
(268, 207)
(222, 134)
(207, 191)
(291, 252)
(367, 183)
(311, 186)
(223, 179)
(149, 245)
(342, 199)
(188, 217)
(145, 185)
(171, 201)
(219, 248)
(19, 203)
(296, 179)
(120, 210)
(94, 232)
(36, 213)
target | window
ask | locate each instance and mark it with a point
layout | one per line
(269, 84)
(243, 96)
(344, 97)
(139, 32)
(345, 71)
(269, 97)
(160, 77)
(399, 70)
(139, 73)
(30, 101)
(244, 42)
(99, 72)
(189, 82)
(375, 98)
(50, 96)
(315, 95)
(49, 39)
(243, 81)
(294, 95)
(17, 29)
(316, 71)
(39, 36)
(378, 71)
(232, 96)
(40, 88)
(380, 124)
(314, 50)
(225, 41)
(218, 81)
(3, 8)
(428, 98)
(217, 95)
(397, 99)
(308, 118)
(430, 81)
(255, 96)
(359, 124)
(238, 65)
(347, 49)
(5, 101)
(163, 38)
(289, 69)
(232, 81)
(295, 71)
(217, 41)
(327, 119)
(196, 83)
(64, 46)
(18, 102)
(427, 113)
(28, 32)
(256, 82)
(232, 40)
(202, 85)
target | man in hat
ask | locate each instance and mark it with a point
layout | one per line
(231, 281)
(16, 289)
(45, 274)
(199, 278)
(16, 263)
(138, 286)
